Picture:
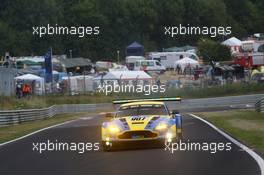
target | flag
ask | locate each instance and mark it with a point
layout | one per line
(48, 67)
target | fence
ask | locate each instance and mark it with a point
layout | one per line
(20, 116)
(259, 106)
(7, 82)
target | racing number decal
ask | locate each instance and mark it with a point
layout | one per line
(137, 118)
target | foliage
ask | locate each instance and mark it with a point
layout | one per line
(121, 22)
(211, 50)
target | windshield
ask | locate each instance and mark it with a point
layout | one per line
(141, 110)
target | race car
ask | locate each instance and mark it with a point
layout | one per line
(142, 120)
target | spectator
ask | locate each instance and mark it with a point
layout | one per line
(26, 90)
(158, 82)
(178, 68)
(19, 92)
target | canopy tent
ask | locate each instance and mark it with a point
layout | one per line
(126, 75)
(181, 49)
(75, 62)
(81, 83)
(36, 59)
(183, 63)
(135, 49)
(129, 77)
(37, 83)
(75, 65)
(232, 42)
(24, 63)
(28, 77)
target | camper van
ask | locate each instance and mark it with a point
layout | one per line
(131, 61)
(151, 66)
(168, 58)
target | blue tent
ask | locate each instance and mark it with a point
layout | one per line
(135, 49)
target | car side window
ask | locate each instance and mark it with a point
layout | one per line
(151, 63)
(144, 63)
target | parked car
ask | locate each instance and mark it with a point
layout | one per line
(150, 66)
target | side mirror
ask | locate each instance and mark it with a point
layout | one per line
(174, 112)
(109, 114)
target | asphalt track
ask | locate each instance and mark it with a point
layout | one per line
(19, 158)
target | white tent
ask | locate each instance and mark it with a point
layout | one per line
(128, 76)
(186, 62)
(80, 83)
(39, 85)
(28, 77)
(232, 42)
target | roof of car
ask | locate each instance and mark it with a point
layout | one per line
(143, 103)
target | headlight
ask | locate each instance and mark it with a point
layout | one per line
(113, 129)
(169, 137)
(161, 126)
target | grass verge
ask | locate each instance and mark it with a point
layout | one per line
(10, 103)
(245, 125)
(15, 131)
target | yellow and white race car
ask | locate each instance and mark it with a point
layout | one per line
(142, 120)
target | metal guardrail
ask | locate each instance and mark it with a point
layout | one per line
(19, 116)
(11, 117)
(259, 106)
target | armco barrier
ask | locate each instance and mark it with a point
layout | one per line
(11, 117)
(259, 106)
(20, 116)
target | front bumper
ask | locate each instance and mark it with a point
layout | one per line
(133, 144)
(139, 135)
(159, 140)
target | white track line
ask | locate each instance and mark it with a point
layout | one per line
(254, 155)
(35, 132)
(86, 118)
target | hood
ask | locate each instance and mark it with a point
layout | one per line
(139, 122)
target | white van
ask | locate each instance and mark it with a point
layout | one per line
(168, 58)
(131, 61)
(150, 66)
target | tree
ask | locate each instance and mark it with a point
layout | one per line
(121, 22)
(211, 50)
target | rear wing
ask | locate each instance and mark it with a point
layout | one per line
(147, 99)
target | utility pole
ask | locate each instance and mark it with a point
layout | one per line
(118, 56)
(52, 83)
(70, 53)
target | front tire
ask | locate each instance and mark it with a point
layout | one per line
(106, 148)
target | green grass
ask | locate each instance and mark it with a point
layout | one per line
(14, 131)
(245, 125)
(8, 103)
(227, 90)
